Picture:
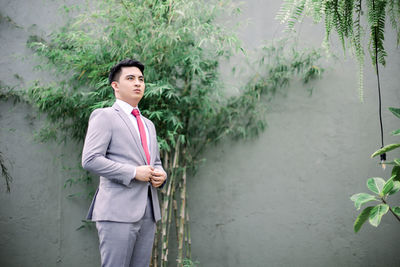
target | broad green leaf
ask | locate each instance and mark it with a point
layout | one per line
(397, 132)
(387, 163)
(396, 210)
(387, 187)
(395, 111)
(361, 198)
(376, 184)
(385, 149)
(396, 187)
(362, 217)
(396, 173)
(376, 214)
(397, 162)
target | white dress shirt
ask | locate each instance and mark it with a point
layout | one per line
(128, 109)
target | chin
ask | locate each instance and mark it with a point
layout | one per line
(137, 98)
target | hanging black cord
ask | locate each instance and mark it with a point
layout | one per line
(383, 156)
(379, 93)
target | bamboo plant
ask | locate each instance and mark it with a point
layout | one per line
(181, 44)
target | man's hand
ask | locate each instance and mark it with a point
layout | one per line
(144, 173)
(158, 177)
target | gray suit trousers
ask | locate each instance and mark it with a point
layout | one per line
(127, 244)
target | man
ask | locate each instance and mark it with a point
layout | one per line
(121, 147)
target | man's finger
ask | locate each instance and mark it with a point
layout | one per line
(157, 174)
(157, 185)
(156, 181)
(159, 178)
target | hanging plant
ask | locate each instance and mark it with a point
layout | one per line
(181, 44)
(345, 18)
(382, 189)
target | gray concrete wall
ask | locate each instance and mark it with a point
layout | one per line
(279, 200)
(38, 221)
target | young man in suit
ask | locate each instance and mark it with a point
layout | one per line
(121, 147)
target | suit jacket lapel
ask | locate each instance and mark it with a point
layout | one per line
(132, 130)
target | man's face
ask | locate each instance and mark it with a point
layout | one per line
(130, 87)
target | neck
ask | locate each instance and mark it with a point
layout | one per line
(134, 104)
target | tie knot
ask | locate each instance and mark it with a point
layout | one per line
(135, 112)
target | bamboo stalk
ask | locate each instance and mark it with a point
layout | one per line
(164, 219)
(185, 235)
(189, 238)
(154, 254)
(175, 206)
(166, 208)
(165, 160)
(182, 219)
(164, 222)
(168, 226)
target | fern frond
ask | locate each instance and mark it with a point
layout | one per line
(361, 81)
(393, 10)
(329, 18)
(297, 14)
(319, 10)
(376, 19)
(357, 36)
(339, 21)
(292, 12)
(285, 11)
(344, 17)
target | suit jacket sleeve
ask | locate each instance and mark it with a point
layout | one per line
(94, 158)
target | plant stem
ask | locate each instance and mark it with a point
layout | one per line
(182, 219)
(155, 246)
(5, 173)
(164, 236)
(394, 214)
(167, 205)
(377, 76)
(175, 208)
(189, 240)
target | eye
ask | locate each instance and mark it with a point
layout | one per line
(130, 78)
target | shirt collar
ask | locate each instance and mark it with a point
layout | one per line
(127, 108)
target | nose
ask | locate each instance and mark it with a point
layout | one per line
(136, 82)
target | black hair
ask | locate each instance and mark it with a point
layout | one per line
(115, 71)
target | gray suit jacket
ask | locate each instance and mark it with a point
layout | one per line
(113, 150)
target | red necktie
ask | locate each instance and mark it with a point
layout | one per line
(142, 132)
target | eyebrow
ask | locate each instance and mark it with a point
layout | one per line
(132, 75)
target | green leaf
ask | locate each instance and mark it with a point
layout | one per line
(387, 187)
(397, 162)
(362, 217)
(396, 173)
(361, 198)
(385, 149)
(396, 210)
(396, 187)
(376, 214)
(395, 111)
(376, 184)
(388, 163)
(396, 132)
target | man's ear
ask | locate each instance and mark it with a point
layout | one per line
(114, 85)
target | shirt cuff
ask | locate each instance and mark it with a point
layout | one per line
(134, 173)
